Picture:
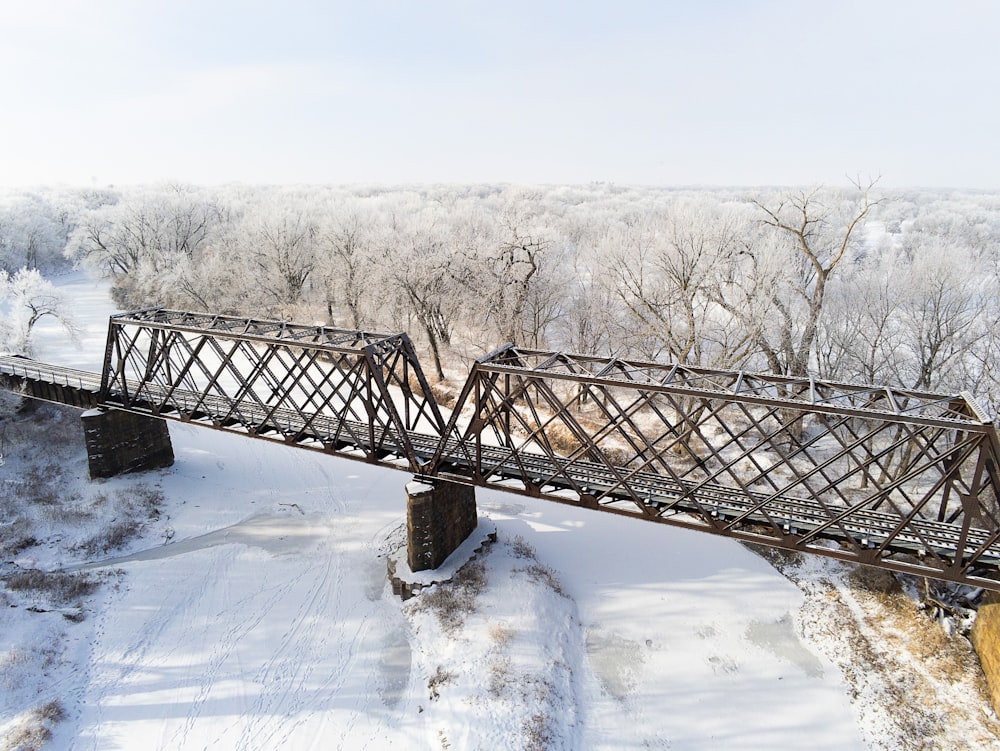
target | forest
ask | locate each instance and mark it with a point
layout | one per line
(852, 284)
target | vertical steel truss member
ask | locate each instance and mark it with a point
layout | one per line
(899, 479)
(352, 392)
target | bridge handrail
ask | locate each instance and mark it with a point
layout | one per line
(24, 367)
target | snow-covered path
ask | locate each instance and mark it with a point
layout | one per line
(270, 636)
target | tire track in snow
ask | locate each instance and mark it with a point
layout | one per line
(245, 615)
(284, 677)
(115, 671)
(338, 650)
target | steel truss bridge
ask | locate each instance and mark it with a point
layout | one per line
(894, 478)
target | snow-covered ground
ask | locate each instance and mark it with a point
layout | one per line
(254, 613)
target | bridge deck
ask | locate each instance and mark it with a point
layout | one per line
(53, 383)
(866, 534)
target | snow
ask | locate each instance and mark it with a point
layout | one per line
(270, 626)
(266, 622)
(482, 536)
(418, 488)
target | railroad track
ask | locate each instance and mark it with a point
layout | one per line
(642, 493)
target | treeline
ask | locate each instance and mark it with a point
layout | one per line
(847, 284)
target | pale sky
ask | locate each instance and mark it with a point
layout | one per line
(664, 92)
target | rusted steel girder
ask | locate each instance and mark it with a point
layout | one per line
(895, 478)
(353, 392)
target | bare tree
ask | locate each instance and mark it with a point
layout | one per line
(941, 317)
(821, 228)
(344, 259)
(32, 234)
(283, 249)
(135, 240)
(416, 260)
(503, 269)
(668, 270)
(858, 333)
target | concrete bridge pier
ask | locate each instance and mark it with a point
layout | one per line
(120, 442)
(439, 516)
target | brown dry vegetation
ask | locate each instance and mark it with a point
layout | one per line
(34, 730)
(452, 601)
(922, 686)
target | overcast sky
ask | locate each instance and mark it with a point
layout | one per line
(665, 92)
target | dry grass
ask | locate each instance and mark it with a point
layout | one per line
(903, 623)
(924, 683)
(908, 696)
(565, 443)
(26, 424)
(16, 535)
(445, 394)
(537, 572)
(34, 729)
(132, 506)
(112, 537)
(15, 666)
(38, 493)
(780, 558)
(545, 576)
(538, 733)
(562, 439)
(26, 737)
(501, 634)
(51, 711)
(440, 678)
(61, 588)
(499, 678)
(41, 454)
(520, 548)
(452, 601)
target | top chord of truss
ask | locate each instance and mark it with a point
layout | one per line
(802, 393)
(250, 328)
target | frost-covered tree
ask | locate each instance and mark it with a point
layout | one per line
(281, 246)
(793, 282)
(28, 299)
(33, 232)
(416, 259)
(669, 268)
(505, 265)
(345, 260)
(142, 236)
(812, 234)
(945, 311)
(858, 338)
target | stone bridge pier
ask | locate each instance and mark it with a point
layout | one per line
(439, 516)
(120, 442)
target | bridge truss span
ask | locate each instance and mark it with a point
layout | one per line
(895, 478)
(353, 392)
(902, 479)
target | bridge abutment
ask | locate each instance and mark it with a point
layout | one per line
(439, 516)
(120, 442)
